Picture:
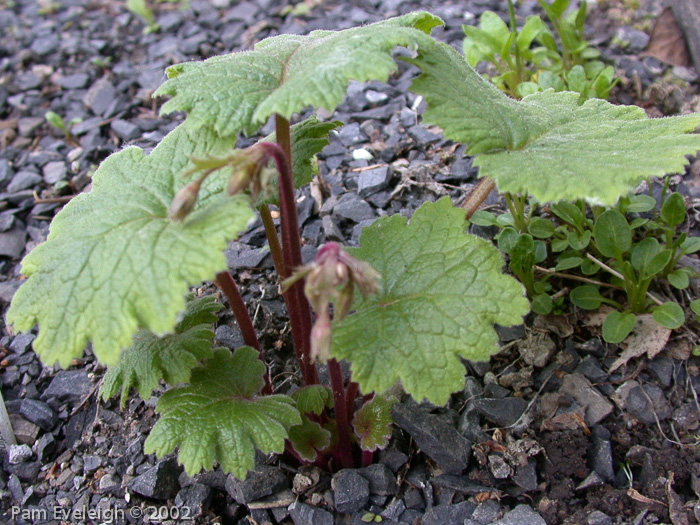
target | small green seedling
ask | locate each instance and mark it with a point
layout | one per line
(142, 9)
(570, 64)
(57, 122)
(410, 303)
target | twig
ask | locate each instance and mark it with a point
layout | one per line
(52, 200)
(575, 277)
(619, 276)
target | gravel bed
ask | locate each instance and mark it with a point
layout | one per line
(542, 434)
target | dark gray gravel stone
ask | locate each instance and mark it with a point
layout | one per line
(39, 413)
(392, 458)
(45, 447)
(12, 242)
(382, 480)
(21, 343)
(240, 255)
(331, 231)
(303, 514)
(23, 180)
(54, 171)
(598, 518)
(159, 482)
(502, 412)
(487, 512)
(662, 368)
(374, 180)
(100, 97)
(648, 407)
(600, 454)
(521, 515)
(442, 442)
(526, 476)
(443, 514)
(351, 208)
(26, 471)
(68, 385)
(195, 498)
(632, 39)
(460, 484)
(261, 482)
(19, 454)
(125, 130)
(5, 170)
(229, 337)
(350, 491)
(422, 136)
(74, 81)
(351, 135)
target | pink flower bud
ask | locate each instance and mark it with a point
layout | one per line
(321, 338)
(184, 201)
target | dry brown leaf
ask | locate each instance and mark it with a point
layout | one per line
(635, 495)
(675, 505)
(557, 324)
(667, 42)
(596, 317)
(648, 337)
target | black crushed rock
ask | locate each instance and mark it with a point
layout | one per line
(158, 482)
(440, 441)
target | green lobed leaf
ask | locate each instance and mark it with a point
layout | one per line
(172, 357)
(669, 315)
(286, 73)
(443, 290)
(220, 418)
(617, 326)
(547, 145)
(313, 399)
(372, 423)
(309, 438)
(114, 262)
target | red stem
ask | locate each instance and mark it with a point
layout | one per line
(298, 306)
(350, 396)
(341, 414)
(225, 282)
(367, 458)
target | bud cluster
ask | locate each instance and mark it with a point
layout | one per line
(331, 279)
(249, 172)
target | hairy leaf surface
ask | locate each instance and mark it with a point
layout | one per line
(309, 438)
(114, 262)
(547, 145)
(313, 399)
(220, 418)
(372, 422)
(443, 290)
(171, 357)
(286, 73)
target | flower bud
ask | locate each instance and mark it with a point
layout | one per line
(321, 338)
(184, 201)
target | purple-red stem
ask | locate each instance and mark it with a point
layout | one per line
(272, 239)
(225, 282)
(367, 458)
(344, 450)
(350, 396)
(299, 309)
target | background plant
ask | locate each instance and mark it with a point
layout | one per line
(535, 58)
